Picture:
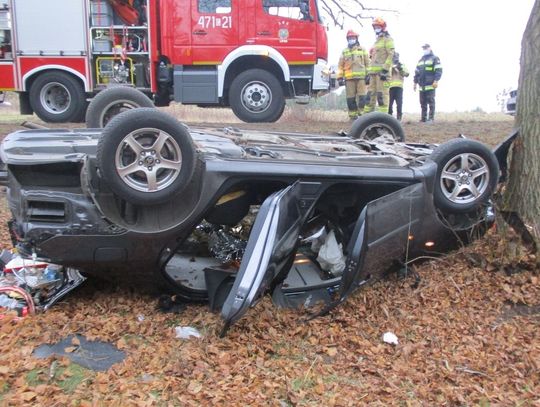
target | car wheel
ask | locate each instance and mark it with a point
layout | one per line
(146, 156)
(467, 175)
(57, 97)
(377, 124)
(256, 96)
(113, 101)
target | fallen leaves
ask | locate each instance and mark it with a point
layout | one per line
(467, 336)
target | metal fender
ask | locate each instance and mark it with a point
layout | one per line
(250, 50)
(58, 68)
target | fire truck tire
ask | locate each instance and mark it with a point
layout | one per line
(257, 96)
(112, 101)
(57, 97)
(147, 157)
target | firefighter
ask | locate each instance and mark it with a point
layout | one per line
(427, 74)
(379, 70)
(352, 72)
(395, 85)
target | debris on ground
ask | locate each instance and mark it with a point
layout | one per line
(171, 304)
(185, 332)
(391, 338)
(27, 285)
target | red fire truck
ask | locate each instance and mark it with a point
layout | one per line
(249, 55)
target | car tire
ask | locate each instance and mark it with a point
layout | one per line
(57, 97)
(112, 101)
(131, 164)
(376, 124)
(257, 96)
(467, 175)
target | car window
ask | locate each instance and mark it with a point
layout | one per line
(214, 6)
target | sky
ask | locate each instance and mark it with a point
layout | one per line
(478, 42)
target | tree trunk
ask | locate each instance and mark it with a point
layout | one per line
(523, 191)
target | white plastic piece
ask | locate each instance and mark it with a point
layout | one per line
(331, 256)
(185, 332)
(391, 338)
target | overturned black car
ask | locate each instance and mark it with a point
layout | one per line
(228, 215)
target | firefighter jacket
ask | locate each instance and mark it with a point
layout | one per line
(428, 70)
(399, 72)
(382, 54)
(353, 63)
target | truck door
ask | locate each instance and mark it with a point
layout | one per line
(214, 30)
(290, 26)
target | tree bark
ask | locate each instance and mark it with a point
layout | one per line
(522, 195)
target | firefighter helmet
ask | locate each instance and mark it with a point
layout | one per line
(379, 22)
(352, 33)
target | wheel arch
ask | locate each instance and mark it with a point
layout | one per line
(29, 77)
(251, 57)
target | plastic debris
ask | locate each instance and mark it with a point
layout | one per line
(316, 239)
(185, 332)
(27, 285)
(331, 256)
(391, 338)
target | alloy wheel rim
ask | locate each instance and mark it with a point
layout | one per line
(464, 178)
(148, 160)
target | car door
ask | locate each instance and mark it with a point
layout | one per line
(382, 236)
(270, 247)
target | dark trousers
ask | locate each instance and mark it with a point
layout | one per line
(396, 95)
(427, 99)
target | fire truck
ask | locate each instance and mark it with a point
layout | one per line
(249, 55)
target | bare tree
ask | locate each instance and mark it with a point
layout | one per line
(522, 196)
(341, 11)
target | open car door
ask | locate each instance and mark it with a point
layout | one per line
(381, 235)
(270, 248)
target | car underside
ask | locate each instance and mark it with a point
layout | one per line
(225, 216)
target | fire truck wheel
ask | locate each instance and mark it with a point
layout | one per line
(57, 97)
(256, 96)
(377, 124)
(146, 156)
(112, 101)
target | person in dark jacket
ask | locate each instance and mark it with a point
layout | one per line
(426, 77)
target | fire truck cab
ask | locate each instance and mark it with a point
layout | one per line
(250, 55)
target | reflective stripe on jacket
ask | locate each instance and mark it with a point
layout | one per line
(382, 54)
(428, 70)
(353, 63)
(399, 72)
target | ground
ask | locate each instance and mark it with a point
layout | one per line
(468, 330)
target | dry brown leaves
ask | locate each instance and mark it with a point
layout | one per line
(462, 341)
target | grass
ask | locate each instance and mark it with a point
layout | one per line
(294, 113)
(67, 378)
